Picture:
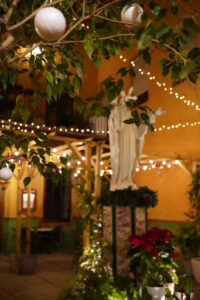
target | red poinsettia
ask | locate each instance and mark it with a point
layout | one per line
(156, 241)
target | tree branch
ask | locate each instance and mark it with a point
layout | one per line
(16, 58)
(11, 10)
(116, 21)
(7, 41)
(46, 4)
(84, 4)
(86, 18)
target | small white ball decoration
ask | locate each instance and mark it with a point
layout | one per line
(50, 23)
(132, 14)
(6, 174)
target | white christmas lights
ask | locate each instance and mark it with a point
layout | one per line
(163, 86)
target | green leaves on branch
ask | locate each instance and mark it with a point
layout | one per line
(140, 116)
(27, 181)
(89, 44)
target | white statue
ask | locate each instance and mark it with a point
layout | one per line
(126, 142)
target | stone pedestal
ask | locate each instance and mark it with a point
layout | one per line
(118, 224)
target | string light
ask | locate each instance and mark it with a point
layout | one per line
(176, 126)
(25, 127)
(163, 86)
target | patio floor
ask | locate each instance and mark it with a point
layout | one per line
(52, 273)
(46, 284)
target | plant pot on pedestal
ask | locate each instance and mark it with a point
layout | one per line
(124, 213)
(196, 268)
(157, 293)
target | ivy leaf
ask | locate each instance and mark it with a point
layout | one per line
(187, 69)
(193, 77)
(162, 14)
(155, 8)
(42, 136)
(194, 53)
(129, 121)
(77, 84)
(48, 92)
(132, 73)
(165, 70)
(191, 25)
(79, 103)
(163, 62)
(145, 39)
(89, 44)
(123, 72)
(120, 85)
(24, 112)
(79, 67)
(97, 61)
(174, 10)
(26, 181)
(50, 77)
(146, 56)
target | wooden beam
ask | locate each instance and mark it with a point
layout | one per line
(76, 152)
(88, 187)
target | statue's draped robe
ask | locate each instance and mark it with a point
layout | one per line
(123, 148)
(126, 145)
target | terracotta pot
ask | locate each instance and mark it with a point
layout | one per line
(196, 268)
(157, 293)
(182, 296)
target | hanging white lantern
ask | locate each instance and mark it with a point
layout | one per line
(132, 14)
(50, 23)
(6, 174)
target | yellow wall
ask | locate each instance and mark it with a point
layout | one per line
(11, 195)
(173, 185)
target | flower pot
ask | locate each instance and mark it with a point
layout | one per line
(157, 293)
(28, 264)
(183, 296)
(196, 268)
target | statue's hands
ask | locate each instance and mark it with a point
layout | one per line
(160, 112)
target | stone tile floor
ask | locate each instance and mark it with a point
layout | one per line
(51, 274)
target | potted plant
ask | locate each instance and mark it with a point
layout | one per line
(184, 290)
(153, 256)
(188, 240)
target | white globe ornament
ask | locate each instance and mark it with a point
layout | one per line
(132, 14)
(50, 24)
(6, 174)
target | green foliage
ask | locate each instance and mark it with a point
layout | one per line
(37, 157)
(153, 257)
(185, 284)
(143, 197)
(188, 240)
